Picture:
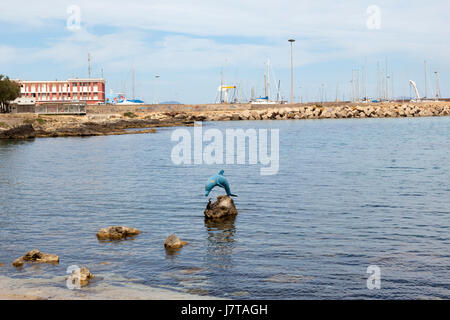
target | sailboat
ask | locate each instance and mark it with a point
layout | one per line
(120, 99)
(266, 98)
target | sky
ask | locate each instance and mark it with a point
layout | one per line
(188, 44)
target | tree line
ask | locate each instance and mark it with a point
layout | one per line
(9, 90)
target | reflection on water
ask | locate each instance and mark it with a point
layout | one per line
(171, 253)
(220, 237)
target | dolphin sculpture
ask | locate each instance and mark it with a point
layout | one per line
(218, 180)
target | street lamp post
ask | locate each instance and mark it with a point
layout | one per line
(292, 71)
(157, 77)
(322, 93)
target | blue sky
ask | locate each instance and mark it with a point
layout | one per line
(188, 43)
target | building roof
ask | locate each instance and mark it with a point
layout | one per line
(68, 80)
(87, 79)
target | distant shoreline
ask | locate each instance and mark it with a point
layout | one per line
(115, 120)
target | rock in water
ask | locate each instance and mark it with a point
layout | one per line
(18, 262)
(173, 242)
(116, 233)
(81, 276)
(223, 207)
(36, 256)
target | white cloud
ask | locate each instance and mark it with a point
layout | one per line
(202, 35)
(337, 28)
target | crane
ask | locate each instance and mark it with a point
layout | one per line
(224, 95)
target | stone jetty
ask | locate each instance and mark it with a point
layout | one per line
(303, 112)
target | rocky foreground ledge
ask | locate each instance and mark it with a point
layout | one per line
(24, 126)
(33, 126)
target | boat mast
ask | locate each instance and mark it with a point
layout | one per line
(268, 80)
(278, 91)
(221, 85)
(132, 81)
(89, 65)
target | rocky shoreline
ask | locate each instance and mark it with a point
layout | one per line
(25, 126)
(52, 126)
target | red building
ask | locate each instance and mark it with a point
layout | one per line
(91, 91)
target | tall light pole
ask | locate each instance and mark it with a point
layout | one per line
(438, 93)
(292, 71)
(322, 93)
(157, 77)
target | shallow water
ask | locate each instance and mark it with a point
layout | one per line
(349, 194)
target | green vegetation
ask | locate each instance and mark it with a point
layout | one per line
(28, 121)
(9, 90)
(129, 115)
(40, 120)
(4, 125)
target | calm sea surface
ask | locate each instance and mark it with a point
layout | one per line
(348, 194)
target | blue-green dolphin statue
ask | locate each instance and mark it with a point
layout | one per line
(218, 180)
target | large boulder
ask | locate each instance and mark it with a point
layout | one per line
(235, 116)
(36, 256)
(117, 233)
(223, 207)
(255, 115)
(245, 115)
(173, 242)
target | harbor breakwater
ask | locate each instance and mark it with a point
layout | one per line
(316, 112)
(107, 120)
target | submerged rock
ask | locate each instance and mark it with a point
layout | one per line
(173, 242)
(192, 270)
(36, 256)
(116, 233)
(81, 276)
(287, 278)
(240, 293)
(223, 207)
